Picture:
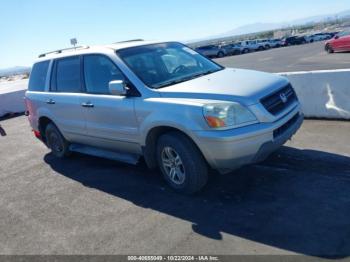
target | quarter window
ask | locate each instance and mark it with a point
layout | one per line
(98, 72)
(68, 75)
(38, 76)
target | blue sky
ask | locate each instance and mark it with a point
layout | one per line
(32, 27)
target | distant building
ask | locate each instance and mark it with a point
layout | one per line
(282, 33)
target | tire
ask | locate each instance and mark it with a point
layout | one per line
(329, 49)
(261, 48)
(177, 152)
(246, 51)
(220, 54)
(267, 47)
(56, 142)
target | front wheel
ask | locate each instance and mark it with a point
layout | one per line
(56, 142)
(329, 49)
(181, 163)
(220, 55)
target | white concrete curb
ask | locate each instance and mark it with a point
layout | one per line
(323, 94)
(11, 96)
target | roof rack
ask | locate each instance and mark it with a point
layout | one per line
(127, 41)
(59, 51)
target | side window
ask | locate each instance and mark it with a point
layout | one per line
(68, 75)
(98, 72)
(38, 76)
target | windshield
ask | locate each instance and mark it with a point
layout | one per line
(160, 65)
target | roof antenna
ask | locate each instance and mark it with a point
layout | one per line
(73, 42)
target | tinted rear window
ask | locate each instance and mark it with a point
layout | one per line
(38, 76)
(68, 75)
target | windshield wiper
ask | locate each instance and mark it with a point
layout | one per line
(169, 83)
(177, 81)
(205, 73)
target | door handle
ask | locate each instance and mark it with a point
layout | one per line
(50, 102)
(88, 104)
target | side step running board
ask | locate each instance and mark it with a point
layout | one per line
(112, 155)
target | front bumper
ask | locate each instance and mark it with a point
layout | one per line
(231, 149)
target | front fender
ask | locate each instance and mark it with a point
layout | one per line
(183, 115)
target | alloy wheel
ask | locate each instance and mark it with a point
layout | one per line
(173, 165)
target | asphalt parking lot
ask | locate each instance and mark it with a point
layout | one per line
(306, 57)
(295, 202)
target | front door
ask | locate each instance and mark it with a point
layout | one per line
(342, 42)
(110, 120)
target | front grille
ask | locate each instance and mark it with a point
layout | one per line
(280, 131)
(280, 100)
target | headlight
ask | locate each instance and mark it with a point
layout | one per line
(227, 115)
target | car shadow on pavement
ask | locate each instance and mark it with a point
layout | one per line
(297, 200)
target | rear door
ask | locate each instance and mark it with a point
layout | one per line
(213, 50)
(208, 51)
(110, 120)
(63, 100)
(344, 42)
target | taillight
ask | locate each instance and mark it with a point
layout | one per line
(37, 133)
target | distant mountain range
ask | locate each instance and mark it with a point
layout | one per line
(17, 70)
(261, 27)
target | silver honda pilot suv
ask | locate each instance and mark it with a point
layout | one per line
(164, 102)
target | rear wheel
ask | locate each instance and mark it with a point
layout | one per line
(56, 142)
(181, 163)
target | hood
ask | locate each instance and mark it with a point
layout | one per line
(239, 85)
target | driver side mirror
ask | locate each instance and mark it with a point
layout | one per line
(117, 87)
(336, 37)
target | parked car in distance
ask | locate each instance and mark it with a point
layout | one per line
(275, 43)
(212, 51)
(265, 43)
(340, 43)
(233, 49)
(333, 34)
(253, 45)
(244, 47)
(318, 37)
(180, 111)
(294, 40)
